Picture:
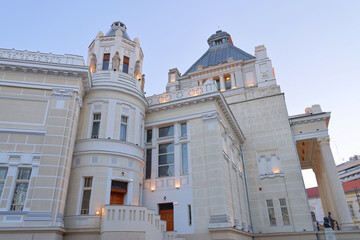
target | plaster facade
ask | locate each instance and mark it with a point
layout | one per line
(85, 155)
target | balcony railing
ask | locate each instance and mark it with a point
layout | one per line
(117, 218)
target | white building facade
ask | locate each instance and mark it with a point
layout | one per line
(84, 154)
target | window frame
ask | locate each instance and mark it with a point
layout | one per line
(172, 131)
(126, 62)
(271, 211)
(106, 59)
(86, 188)
(167, 164)
(283, 207)
(97, 121)
(3, 180)
(20, 181)
(123, 125)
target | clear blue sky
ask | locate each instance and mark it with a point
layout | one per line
(314, 45)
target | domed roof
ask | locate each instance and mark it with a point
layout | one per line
(115, 26)
(221, 48)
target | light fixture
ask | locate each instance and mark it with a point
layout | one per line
(130, 180)
(175, 203)
(153, 189)
(97, 213)
(177, 186)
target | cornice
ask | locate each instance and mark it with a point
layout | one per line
(303, 119)
(23, 66)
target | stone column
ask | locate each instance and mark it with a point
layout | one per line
(222, 83)
(232, 78)
(336, 192)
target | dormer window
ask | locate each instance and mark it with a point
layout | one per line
(106, 61)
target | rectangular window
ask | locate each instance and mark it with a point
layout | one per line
(166, 160)
(96, 125)
(227, 83)
(148, 164)
(184, 159)
(106, 60)
(149, 135)
(3, 173)
(126, 65)
(183, 130)
(284, 211)
(218, 83)
(123, 128)
(351, 210)
(21, 187)
(190, 220)
(166, 131)
(85, 204)
(271, 212)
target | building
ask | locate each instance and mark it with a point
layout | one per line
(349, 170)
(85, 155)
(351, 189)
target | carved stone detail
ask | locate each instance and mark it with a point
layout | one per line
(62, 93)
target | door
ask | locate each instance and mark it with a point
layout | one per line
(166, 212)
(116, 198)
(118, 191)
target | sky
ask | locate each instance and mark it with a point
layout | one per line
(313, 45)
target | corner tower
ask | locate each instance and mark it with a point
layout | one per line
(108, 159)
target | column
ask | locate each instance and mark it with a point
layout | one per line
(232, 79)
(335, 190)
(222, 83)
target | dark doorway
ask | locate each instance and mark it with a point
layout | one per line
(166, 212)
(118, 191)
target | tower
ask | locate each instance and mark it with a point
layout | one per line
(108, 156)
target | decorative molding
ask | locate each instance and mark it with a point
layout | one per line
(62, 93)
(41, 57)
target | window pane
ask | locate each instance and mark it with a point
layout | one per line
(285, 215)
(183, 130)
(97, 116)
(124, 119)
(227, 83)
(24, 174)
(85, 202)
(165, 171)
(272, 216)
(184, 159)
(18, 201)
(149, 135)
(123, 132)
(218, 84)
(95, 130)
(148, 164)
(106, 61)
(166, 148)
(3, 172)
(126, 65)
(166, 159)
(166, 131)
(1, 187)
(88, 182)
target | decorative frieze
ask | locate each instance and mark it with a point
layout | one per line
(41, 57)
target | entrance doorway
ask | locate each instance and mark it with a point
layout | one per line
(118, 191)
(166, 212)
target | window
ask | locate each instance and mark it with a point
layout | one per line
(85, 205)
(271, 212)
(184, 159)
(190, 220)
(126, 64)
(351, 210)
(227, 83)
(166, 131)
(21, 187)
(96, 125)
(3, 173)
(106, 60)
(269, 164)
(284, 211)
(123, 128)
(183, 130)
(149, 135)
(218, 83)
(148, 164)
(166, 160)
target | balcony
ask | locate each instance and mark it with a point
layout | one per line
(133, 220)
